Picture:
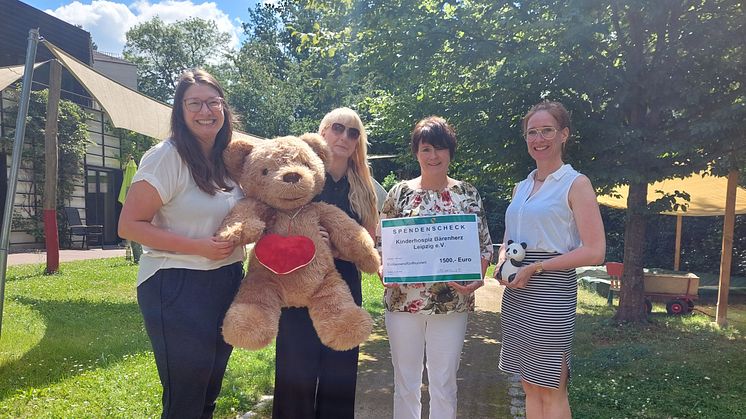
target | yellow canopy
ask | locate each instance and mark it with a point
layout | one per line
(707, 195)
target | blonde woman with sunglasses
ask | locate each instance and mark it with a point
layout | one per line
(554, 211)
(312, 380)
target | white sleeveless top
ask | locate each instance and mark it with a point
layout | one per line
(544, 221)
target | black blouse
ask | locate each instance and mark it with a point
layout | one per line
(337, 194)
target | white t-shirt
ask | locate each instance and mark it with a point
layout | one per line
(544, 220)
(187, 211)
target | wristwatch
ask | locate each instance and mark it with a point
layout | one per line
(539, 268)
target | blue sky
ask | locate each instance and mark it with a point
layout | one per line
(109, 20)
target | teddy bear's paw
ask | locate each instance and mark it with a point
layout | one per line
(252, 230)
(349, 333)
(231, 232)
(248, 326)
(370, 264)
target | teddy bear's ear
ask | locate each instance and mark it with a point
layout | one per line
(235, 154)
(510, 242)
(318, 144)
(523, 245)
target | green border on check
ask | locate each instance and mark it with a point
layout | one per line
(433, 278)
(434, 219)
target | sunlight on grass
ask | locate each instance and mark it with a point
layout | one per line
(23, 328)
(73, 345)
(674, 366)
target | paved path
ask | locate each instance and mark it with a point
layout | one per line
(66, 255)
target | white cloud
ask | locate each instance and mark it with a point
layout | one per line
(108, 21)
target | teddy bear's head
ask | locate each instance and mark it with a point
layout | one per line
(515, 251)
(284, 173)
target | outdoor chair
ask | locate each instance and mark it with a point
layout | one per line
(77, 228)
(615, 271)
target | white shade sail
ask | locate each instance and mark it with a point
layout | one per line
(8, 75)
(126, 108)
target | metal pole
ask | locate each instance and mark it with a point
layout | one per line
(28, 74)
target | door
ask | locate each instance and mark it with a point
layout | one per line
(101, 206)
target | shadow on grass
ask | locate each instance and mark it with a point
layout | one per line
(483, 389)
(79, 336)
(24, 272)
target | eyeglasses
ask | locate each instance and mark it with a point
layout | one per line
(195, 105)
(547, 133)
(352, 133)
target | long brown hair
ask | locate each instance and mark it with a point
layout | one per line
(209, 175)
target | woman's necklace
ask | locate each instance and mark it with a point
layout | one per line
(538, 179)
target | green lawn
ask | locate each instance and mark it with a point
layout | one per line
(673, 367)
(73, 346)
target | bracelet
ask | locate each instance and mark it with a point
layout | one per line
(539, 268)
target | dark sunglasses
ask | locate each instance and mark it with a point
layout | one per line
(352, 133)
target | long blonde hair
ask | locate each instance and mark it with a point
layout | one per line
(362, 195)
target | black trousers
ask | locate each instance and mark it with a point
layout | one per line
(313, 381)
(183, 312)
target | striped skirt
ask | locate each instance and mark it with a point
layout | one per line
(538, 324)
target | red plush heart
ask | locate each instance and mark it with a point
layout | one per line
(284, 254)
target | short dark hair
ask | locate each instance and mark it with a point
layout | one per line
(435, 131)
(208, 179)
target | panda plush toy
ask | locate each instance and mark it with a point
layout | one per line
(514, 254)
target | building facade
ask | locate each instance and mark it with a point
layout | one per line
(96, 195)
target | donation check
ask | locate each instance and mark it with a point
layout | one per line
(435, 248)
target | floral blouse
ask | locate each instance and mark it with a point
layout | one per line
(438, 297)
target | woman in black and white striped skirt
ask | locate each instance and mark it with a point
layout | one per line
(554, 211)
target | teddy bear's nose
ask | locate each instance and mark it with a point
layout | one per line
(291, 177)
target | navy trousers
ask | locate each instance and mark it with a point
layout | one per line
(183, 312)
(313, 381)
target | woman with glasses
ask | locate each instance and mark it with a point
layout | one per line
(187, 278)
(312, 380)
(554, 211)
(429, 320)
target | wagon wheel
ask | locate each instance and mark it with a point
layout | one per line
(648, 306)
(689, 306)
(676, 307)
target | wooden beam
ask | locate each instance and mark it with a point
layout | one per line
(721, 316)
(50, 174)
(677, 252)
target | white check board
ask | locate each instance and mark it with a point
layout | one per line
(437, 248)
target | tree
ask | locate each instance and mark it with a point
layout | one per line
(656, 88)
(279, 88)
(162, 51)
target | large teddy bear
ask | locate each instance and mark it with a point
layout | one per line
(291, 265)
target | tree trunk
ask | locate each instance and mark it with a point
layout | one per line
(631, 297)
